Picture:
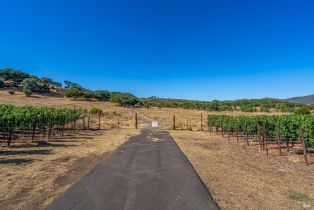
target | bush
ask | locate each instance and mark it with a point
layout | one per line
(102, 95)
(302, 111)
(124, 99)
(88, 94)
(27, 92)
(69, 84)
(35, 86)
(11, 92)
(96, 111)
(2, 84)
(145, 104)
(265, 109)
(15, 75)
(74, 92)
(247, 108)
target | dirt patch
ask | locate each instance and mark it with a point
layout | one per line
(243, 177)
(32, 177)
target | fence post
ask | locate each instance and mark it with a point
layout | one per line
(304, 146)
(247, 138)
(174, 122)
(279, 142)
(201, 122)
(136, 121)
(265, 140)
(259, 137)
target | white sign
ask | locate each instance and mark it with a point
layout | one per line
(154, 124)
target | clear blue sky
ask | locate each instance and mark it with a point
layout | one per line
(211, 49)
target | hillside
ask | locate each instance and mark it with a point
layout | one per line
(303, 99)
(16, 81)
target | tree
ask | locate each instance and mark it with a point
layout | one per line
(214, 105)
(15, 75)
(87, 94)
(74, 92)
(56, 84)
(2, 84)
(69, 84)
(102, 95)
(124, 99)
(46, 81)
(34, 85)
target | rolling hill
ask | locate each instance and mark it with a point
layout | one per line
(302, 99)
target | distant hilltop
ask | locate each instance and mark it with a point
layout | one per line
(303, 99)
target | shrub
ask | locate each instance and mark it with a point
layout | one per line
(11, 92)
(302, 111)
(74, 92)
(88, 94)
(265, 109)
(34, 85)
(2, 84)
(99, 112)
(15, 75)
(124, 99)
(27, 92)
(69, 84)
(247, 108)
(102, 95)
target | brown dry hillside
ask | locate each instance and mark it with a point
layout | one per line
(116, 115)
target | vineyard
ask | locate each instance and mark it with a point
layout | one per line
(30, 122)
(281, 130)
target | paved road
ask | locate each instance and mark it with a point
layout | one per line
(147, 172)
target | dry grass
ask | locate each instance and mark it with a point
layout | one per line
(117, 116)
(238, 177)
(32, 176)
(241, 177)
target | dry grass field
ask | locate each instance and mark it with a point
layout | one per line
(242, 177)
(239, 177)
(123, 117)
(32, 176)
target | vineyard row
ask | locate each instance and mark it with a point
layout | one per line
(288, 129)
(23, 120)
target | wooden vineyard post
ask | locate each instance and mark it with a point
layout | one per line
(237, 135)
(279, 142)
(201, 122)
(304, 146)
(229, 138)
(99, 116)
(136, 121)
(174, 122)
(208, 129)
(259, 136)
(265, 140)
(247, 138)
(118, 121)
